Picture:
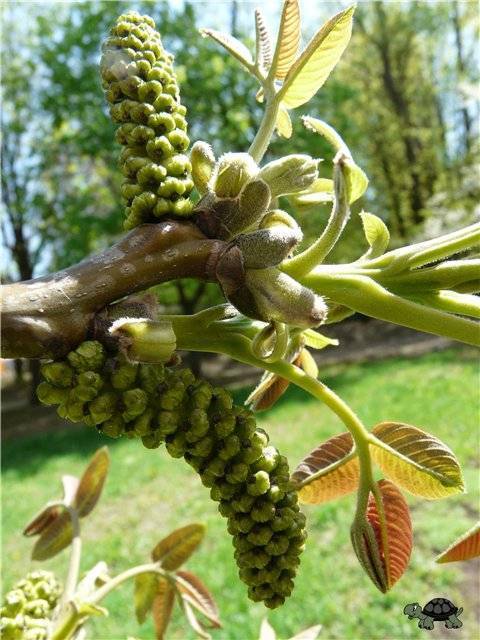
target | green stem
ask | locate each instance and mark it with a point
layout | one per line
(368, 297)
(459, 303)
(75, 556)
(304, 262)
(267, 126)
(112, 584)
(445, 275)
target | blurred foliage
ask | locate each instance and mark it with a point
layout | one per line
(402, 99)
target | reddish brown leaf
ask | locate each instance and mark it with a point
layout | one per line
(42, 520)
(54, 538)
(91, 483)
(201, 598)
(173, 550)
(394, 537)
(162, 607)
(464, 548)
(328, 471)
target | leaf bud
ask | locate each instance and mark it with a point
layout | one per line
(289, 174)
(231, 174)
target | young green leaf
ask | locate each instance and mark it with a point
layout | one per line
(356, 180)
(464, 548)
(173, 550)
(91, 483)
(234, 47)
(312, 68)
(267, 632)
(328, 472)
(416, 461)
(198, 596)
(376, 233)
(319, 192)
(308, 634)
(393, 530)
(288, 39)
(145, 590)
(162, 607)
(263, 53)
(316, 340)
(283, 123)
(55, 537)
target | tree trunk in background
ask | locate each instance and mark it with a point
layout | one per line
(461, 68)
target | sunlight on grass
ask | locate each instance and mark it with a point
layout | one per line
(148, 494)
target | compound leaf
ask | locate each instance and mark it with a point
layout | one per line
(288, 39)
(173, 550)
(393, 534)
(416, 461)
(312, 68)
(464, 548)
(328, 472)
(91, 483)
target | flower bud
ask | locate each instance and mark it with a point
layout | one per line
(203, 163)
(232, 173)
(290, 174)
(267, 247)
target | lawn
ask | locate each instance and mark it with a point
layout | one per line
(148, 494)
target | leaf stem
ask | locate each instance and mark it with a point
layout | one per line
(104, 590)
(267, 126)
(75, 557)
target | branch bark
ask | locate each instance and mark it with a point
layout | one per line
(47, 317)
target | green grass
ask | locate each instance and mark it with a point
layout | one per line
(148, 494)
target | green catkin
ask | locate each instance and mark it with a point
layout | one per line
(27, 608)
(246, 476)
(141, 88)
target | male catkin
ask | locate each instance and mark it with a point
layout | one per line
(142, 90)
(246, 476)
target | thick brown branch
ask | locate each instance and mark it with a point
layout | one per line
(46, 317)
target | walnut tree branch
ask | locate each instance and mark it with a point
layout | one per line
(46, 317)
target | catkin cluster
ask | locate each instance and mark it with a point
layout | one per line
(142, 89)
(27, 608)
(246, 476)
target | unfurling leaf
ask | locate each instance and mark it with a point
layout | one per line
(283, 123)
(267, 392)
(356, 179)
(91, 483)
(376, 233)
(173, 550)
(263, 45)
(42, 520)
(146, 587)
(94, 578)
(267, 632)
(199, 596)
(234, 47)
(312, 68)
(308, 634)
(54, 537)
(394, 534)
(464, 548)
(316, 340)
(162, 607)
(288, 39)
(192, 619)
(320, 192)
(328, 472)
(416, 461)
(308, 364)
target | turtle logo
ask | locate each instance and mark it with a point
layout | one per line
(437, 610)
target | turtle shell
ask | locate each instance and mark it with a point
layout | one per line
(439, 609)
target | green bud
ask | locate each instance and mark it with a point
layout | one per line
(114, 428)
(258, 484)
(203, 162)
(263, 511)
(237, 473)
(88, 356)
(141, 425)
(253, 204)
(48, 394)
(260, 535)
(57, 373)
(103, 407)
(290, 174)
(225, 426)
(268, 461)
(278, 545)
(152, 440)
(267, 247)
(231, 446)
(232, 172)
(150, 377)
